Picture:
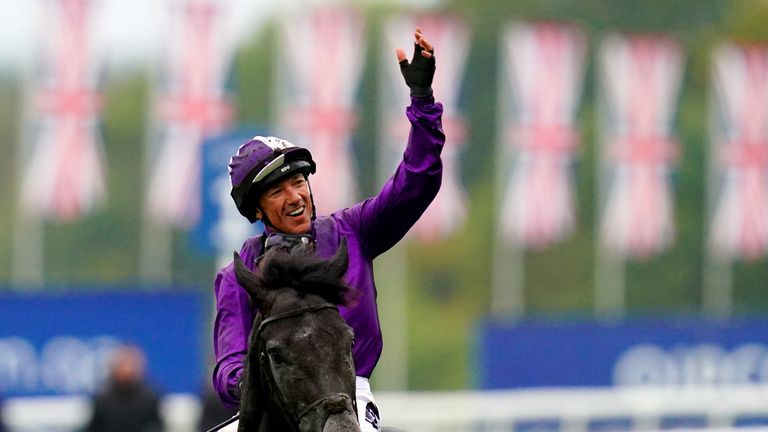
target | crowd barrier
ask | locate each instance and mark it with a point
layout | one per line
(577, 409)
(180, 413)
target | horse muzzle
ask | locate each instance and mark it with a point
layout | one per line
(333, 413)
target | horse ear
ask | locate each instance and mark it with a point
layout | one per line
(246, 278)
(338, 265)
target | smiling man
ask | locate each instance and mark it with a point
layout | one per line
(270, 183)
(286, 205)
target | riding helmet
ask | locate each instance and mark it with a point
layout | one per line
(261, 162)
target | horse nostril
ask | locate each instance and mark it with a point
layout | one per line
(335, 404)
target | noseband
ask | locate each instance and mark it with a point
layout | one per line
(293, 418)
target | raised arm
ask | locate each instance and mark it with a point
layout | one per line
(385, 218)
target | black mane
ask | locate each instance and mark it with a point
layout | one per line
(299, 268)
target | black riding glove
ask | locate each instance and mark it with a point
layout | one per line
(419, 73)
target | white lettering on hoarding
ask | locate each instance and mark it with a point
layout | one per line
(696, 365)
(18, 364)
(63, 365)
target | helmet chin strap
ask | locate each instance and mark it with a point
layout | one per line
(312, 198)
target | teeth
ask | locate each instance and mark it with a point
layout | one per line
(297, 212)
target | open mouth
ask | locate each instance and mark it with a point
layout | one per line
(298, 212)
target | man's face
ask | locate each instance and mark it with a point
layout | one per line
(287, 205)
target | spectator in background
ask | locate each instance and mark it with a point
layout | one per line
(126, 403)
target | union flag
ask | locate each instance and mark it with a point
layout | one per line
(64, 176)
(739, 156)
(541, 80)
(639, 81)
(322, 53)
(191, 102)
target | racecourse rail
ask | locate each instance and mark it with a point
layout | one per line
(562, 410)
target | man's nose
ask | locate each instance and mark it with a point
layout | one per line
(294, 195)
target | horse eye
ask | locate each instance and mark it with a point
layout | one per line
(274, 355)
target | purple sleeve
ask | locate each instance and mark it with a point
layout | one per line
(232, 326)
(385, 218)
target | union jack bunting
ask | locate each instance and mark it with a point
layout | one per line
(541, 78)
(191, 103)
(640, 79)
(322, 57)
(450, 37)
(64, 176)
(740, 152)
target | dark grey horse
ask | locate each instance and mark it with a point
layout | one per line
(299, 373)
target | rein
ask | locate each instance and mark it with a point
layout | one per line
(294, 419)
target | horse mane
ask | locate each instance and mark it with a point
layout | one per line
(301, 269)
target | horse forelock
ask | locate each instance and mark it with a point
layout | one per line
(306, 273)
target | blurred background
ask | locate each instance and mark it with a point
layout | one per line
(595, 260)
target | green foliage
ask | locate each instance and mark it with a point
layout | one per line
(254, 75)
(9, 119)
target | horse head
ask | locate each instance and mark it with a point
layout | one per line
(299, 372)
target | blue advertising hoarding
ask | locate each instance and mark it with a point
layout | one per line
(668, 351)
(59, 343)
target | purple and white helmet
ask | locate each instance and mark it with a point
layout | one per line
(258, 164)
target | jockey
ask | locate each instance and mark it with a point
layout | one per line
(270, 183)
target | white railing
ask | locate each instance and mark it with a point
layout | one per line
(68, 414)
(569, 410)
(563, 410)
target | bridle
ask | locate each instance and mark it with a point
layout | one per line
(294, 419)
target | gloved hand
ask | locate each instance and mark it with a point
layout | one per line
(420, 71)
